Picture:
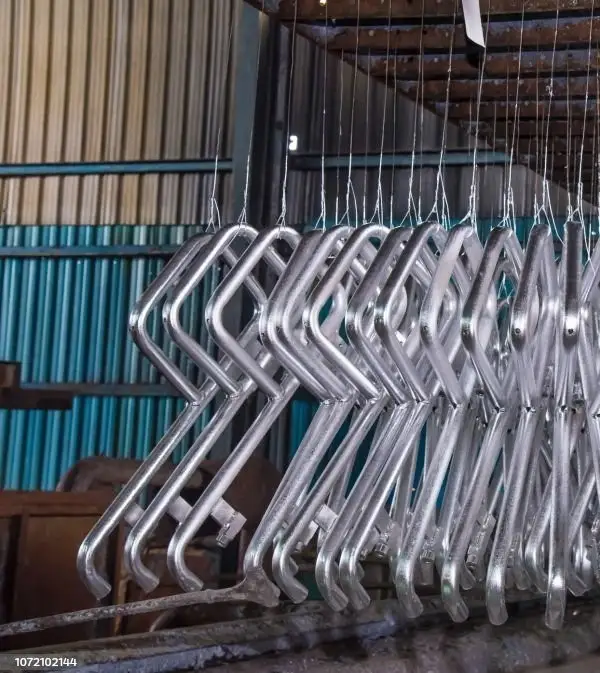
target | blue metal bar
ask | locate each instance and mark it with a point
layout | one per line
(430, 159)
(40, 170)
(93, 251)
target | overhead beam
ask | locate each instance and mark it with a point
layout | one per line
(368, 10)
(462, 90)
(500, 36)
(527, 64)
(527, 110)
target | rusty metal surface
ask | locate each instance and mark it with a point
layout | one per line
(250, 589)
(501, 36)
(526, 64)
(314, 10)
(461, 90)
(523, 644)
(527, 110)
(313, 638)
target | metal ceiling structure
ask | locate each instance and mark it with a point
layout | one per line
(541, 54)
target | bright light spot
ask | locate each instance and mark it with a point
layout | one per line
(322, 3)
(293, 146)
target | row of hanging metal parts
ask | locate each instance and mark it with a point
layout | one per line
(472, 368)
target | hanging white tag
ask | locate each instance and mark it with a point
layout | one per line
(473, 24)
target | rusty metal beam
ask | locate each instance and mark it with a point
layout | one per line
(501, 89)
(501, 36)
(527, 110)
(310, 638)
(531, 128)
(368, 10)
(527, 64)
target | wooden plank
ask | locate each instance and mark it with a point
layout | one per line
(527, 110)
(526, 64)
(42, 532)
(10, 374)
(504, 36)
(366, 10)
(52, 503)
(501, 89)
(6, 549)
(20, 398)
(46, 580)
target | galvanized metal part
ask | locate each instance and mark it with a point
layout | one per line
(480, 352)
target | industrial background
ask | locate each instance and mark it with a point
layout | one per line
(127, 127)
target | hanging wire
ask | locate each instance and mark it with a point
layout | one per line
(538, 148)
(570, 210)
(349, 185)
(412, 209)
(587, 232)
(597, 128)
(394, 110)
(214, 211)
(243, 217)
(281, 221)
(378, 212)
(509, 196)
(439, 181)
(546, 205)
(487, 167)
(367, 139)
(339, 147)
(322, 220)
(593, 187)
(471, 215)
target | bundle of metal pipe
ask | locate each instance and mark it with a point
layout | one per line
(473, 366)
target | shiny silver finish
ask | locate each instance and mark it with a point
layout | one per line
(475, 370)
